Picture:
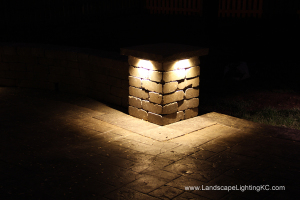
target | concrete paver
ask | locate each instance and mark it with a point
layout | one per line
(191, 139)
(191, 125)
(184, 181)
(179, 152)
(198, 169)
(153, 163)
(127, 194)
(202, 154)
(160, 173)
(147, 183)
(187, 195)
(124, 121)
(64, 146)
(166, 192)
(162, 133)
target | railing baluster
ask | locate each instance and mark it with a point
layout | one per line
(239, 8)
(255, 9)
(167, 7)
(64, 10)
(194, 7)
(244, 8)
(260, 8)
(250, 10)
(179, 7)
(234, 8)
(223, 7)
(162, 7)
(189, 7)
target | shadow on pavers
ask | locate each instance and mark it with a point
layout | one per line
(54, 149)
(245, 125)
(239, 153)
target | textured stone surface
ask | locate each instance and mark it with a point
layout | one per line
(138, 72)
(189, 113)
(182, 84)
(155, 97)
(169, 75)
(135, 62)
(137, 92)
(194, 82)
(155, 76)
(192, 72)
(191, 93)
(176, 96)
(151, 107)
(174, 75)
(134, 101)
(155, 118)
(185, 63)
(185, 104)
(165, 119)
(170, 108)
(134, 81)
(152, 86)
(170, 87)
(139, 113)
(180, 115)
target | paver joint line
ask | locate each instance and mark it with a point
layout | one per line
(138, 131)
(236, 155)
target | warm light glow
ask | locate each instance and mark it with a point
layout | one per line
(180, 73)
(181, 64)
(145, 64)
(143, 73)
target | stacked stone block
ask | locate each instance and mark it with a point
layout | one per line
(163, 92)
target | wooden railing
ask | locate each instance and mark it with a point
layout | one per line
(240, 8)
(32, 11)
(184, 7)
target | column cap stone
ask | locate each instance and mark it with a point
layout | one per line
(163, 52)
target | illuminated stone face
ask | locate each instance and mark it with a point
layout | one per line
(164, 81)
(163, 92)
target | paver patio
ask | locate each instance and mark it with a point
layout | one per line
(63, 146)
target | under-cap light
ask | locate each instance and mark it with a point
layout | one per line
(181, 64)
(145, 64)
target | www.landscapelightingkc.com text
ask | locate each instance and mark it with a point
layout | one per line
(242, 188)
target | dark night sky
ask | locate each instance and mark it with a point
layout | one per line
(268, 38)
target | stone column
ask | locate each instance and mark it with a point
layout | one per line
(164, 82)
